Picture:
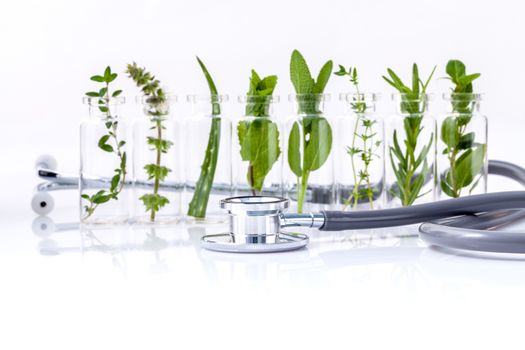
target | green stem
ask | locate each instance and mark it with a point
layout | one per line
(355, 191)
(156, 184)
(199, 202)
(302, 191)
(251, 179)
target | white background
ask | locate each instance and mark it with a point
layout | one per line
(48, 51)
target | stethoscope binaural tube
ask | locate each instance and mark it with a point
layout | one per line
(369, 219)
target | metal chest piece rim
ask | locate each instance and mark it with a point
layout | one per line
(254, 227)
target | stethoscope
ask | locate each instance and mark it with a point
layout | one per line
(260, 224)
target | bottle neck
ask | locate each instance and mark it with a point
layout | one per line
(413, 104)
(463, 103)
(309, 104)
(359, 103)
(157, 107)
(104, 108)
(258, 106)
(207, 104)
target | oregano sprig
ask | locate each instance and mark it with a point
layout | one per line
(411, 169)
(369, 146)
(108, 142)
(466, 158)
(157, 108)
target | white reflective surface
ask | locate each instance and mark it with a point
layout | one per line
(136, 288)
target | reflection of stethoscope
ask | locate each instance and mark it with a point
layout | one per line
(256, 222)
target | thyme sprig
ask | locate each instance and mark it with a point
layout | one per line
(116, 146)
(369, 146)
(411, 170)
(157, 107)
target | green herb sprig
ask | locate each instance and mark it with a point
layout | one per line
(369, 146)
(411, 169)
(259, 137)
(199, 202)
(108, 143)
(157, 109)
(465, 157)
(312, 132)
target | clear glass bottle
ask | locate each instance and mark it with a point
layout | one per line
(158, 179)
(410, 152)
(104, 163)
(309, 174)
(207, 159)
(462, 147)
(358, 150)
(257, 148)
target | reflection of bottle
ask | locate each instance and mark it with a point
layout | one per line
(309, 175)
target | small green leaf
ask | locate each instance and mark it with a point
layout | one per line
(92, 94)
(116, 93)
(97, 78)
(455, 69)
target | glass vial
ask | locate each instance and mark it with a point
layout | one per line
(410, 140)
(257, 148)
(207, 160)
(358, 149)
(309, 174)
(462, 147)
(104, 163)
(158, 180)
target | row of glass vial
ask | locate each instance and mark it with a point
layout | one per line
(354, 161)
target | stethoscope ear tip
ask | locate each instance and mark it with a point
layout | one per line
(42, 203)
(46, 161)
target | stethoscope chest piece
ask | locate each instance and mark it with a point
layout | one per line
(254, 227)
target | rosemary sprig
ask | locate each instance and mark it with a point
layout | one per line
(411, 169)
(117, 146)
(369, 146)
(157, 109)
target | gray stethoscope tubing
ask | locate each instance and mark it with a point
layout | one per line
(459, 223)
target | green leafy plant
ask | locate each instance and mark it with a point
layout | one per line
(157, 107)
(109, 142)
(465, 157)
(310, 139)
(410, 168)
(259, 137)
(363, 188)
(199, 201)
